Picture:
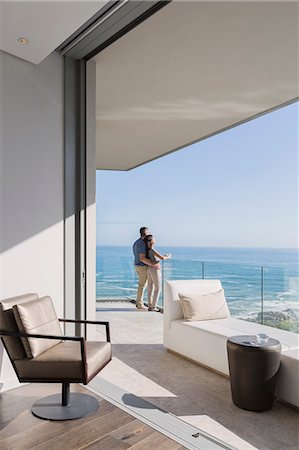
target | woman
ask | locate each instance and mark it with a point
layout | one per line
(153, 273)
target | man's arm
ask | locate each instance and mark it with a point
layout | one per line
(147, 261)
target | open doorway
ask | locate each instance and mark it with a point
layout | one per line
(141, 365)
(154, 97)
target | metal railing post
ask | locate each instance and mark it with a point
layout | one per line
(203, 270)
(163, 280)
(262, 295)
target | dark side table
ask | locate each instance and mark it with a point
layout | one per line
(253, 371)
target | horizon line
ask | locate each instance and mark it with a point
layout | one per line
(205, 246)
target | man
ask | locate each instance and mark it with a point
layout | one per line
(141, 263)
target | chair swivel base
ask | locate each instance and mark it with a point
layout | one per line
(51, 408)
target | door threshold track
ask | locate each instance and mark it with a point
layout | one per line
(162, 421)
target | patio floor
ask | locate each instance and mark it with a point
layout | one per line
(143, 367)
(109, 428)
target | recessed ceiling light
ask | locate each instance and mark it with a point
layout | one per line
(23, 41)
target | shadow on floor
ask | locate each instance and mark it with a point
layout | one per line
(197, 391)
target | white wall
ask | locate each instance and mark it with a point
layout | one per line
(31, 182)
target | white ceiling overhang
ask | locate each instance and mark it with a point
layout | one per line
(189, 71)
(46, 24)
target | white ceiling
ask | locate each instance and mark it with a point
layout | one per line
(46, 24)
(190, 70)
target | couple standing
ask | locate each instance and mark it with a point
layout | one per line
(147, 266)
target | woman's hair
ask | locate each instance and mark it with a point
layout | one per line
(148, 239)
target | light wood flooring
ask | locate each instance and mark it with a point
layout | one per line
(108, 429)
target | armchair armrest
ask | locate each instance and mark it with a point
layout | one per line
(40, 336)
(90, 322)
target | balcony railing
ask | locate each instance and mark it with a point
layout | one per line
(267, 295)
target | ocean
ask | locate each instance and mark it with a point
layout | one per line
(254, 280)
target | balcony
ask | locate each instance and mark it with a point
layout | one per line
(141, 366)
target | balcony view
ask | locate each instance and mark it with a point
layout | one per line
(266, 294)
(258, 270)
(149, 217)
(260, 279)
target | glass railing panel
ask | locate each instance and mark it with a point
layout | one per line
(242, 287)
(180, 269)
(266, 295)
(280, 295)
(115, 275)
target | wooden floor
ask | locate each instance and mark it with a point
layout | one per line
(109, 429)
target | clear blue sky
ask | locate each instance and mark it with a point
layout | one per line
(236, 189)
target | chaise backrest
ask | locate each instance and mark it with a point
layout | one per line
(172, 288)
(14, 346)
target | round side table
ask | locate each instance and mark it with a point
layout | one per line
(253, 371)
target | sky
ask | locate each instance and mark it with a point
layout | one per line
(236, 189)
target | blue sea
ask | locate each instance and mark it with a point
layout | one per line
(249, 276)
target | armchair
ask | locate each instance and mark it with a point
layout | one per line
(39, 353)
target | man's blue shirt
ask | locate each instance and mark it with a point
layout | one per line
(139, 247)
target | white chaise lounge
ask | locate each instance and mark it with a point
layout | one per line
(205, 341)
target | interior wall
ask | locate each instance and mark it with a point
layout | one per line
(31, 184)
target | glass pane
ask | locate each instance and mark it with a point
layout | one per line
(242, 286)
(181, 269)
(281, 309)
(115, 277)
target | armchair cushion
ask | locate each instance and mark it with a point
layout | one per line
(37, 316)
(204, 306)
(64, 361)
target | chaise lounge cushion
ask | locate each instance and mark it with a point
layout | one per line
(204, 306)
(37, 317)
